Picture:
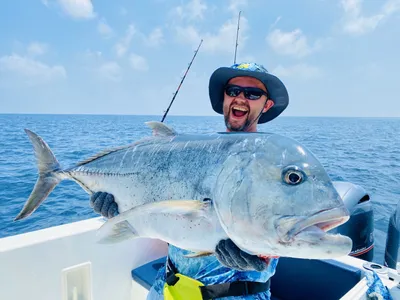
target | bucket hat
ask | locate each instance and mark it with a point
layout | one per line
(276, 89)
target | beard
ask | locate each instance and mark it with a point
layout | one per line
(237, 127)
(232, 127)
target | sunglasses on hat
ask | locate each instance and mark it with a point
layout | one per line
(250, 93)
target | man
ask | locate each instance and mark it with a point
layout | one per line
(247, 95)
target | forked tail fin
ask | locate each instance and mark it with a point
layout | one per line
(48, 168)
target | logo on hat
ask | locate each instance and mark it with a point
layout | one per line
(250, 67)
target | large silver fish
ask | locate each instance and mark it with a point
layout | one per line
(266, 192)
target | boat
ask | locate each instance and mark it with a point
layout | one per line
(65, 262)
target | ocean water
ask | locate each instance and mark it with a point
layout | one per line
(364, 151)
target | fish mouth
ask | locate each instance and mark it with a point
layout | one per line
(318, 223)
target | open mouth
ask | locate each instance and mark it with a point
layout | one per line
(320, 222)
(239, 111)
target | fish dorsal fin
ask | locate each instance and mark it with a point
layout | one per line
(100, 154)
(160, 129)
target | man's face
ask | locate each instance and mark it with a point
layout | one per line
(239, 112)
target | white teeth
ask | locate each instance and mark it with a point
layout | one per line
(240, 108)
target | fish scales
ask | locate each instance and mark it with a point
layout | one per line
(157, 168)
(269, 194)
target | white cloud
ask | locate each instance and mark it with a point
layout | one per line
(354, 22)
(123, 45)
(80, 9)
(391, 6)
(293, 43)
(138, 62)
(98, 66)
(94, 56)
(193, 10)
(223, 41)
(31, 71)
(104, 29)
(302, 71)
(236, 5)
(36, 48)
(110, 71)
(155, 38)
(187, 34)
(215, 41)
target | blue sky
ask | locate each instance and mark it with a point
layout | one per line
(337, 58)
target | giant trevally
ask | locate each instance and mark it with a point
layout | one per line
(265, 191)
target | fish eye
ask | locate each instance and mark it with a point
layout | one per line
(292, 175)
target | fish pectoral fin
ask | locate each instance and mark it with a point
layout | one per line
(177, 207)
(199, 254)
(116, 229)
(160, 129)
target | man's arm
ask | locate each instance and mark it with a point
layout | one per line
(227, 253)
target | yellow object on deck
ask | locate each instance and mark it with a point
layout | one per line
(183, 289)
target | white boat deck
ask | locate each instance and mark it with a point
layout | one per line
(65, 262)
(32, 264)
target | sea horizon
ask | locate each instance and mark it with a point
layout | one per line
(364, 151)
(188, 115)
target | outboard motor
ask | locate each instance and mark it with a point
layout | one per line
(360, 226)
(392, 239)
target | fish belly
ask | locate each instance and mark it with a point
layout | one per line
(186, 231)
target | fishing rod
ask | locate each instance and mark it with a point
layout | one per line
(237, 35)
(180, 84)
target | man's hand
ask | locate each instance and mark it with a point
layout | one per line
(232, 257)
(104, 204)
